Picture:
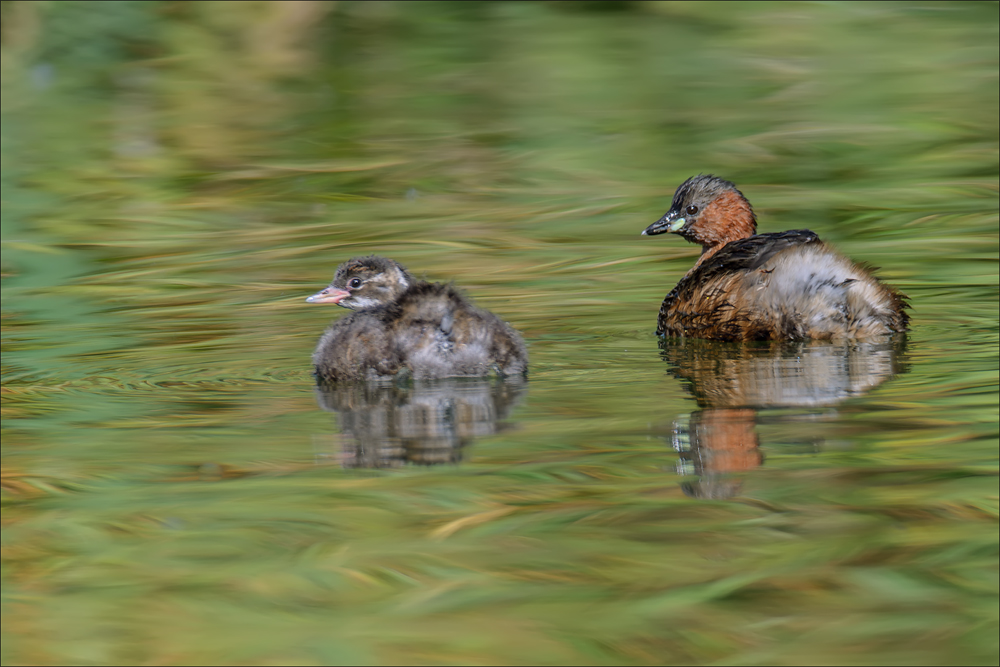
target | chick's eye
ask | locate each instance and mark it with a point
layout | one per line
(692, 209)
(355, 283)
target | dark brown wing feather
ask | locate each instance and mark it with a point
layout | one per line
(735, 258)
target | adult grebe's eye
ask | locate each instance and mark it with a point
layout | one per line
(355, 283)
(692, 209)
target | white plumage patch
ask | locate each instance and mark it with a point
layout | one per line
(828, 293)
(364, 302)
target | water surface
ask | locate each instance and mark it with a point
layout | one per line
(176, 490)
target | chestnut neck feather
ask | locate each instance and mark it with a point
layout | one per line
(728, 218)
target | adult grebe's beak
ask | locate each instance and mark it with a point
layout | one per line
(329, 295)
(670, 222)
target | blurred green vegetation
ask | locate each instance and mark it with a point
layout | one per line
(178, 176)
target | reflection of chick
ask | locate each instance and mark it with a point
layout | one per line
(781, 286)
(399, 322)
(425, 422)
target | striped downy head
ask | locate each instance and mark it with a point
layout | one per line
(364, 283)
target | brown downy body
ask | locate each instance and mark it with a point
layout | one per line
(400, 323)
(780, 286)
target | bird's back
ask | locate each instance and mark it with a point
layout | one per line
(442, 334)
(786, 285)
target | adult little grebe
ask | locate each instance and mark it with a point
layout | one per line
(402, 323)
(780, 286)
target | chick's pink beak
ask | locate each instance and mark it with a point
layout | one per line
(328, 295)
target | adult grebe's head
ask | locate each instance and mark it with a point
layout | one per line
(709, 211)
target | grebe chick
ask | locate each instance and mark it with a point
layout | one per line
(779, 286)
(402, 323)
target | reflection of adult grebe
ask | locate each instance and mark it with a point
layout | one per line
(403, 323)
(425, 422)
(731, 381)
(782, 374)
(781, 286)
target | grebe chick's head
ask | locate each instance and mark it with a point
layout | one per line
(364, 283)
(709, 211)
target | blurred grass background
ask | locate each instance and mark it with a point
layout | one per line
(177, 176)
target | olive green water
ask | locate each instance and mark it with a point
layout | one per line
(178, 177)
